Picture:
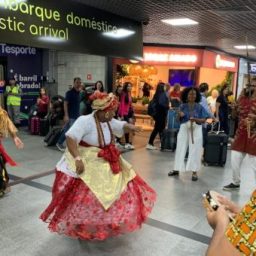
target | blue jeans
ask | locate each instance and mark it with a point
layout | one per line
(64, 130)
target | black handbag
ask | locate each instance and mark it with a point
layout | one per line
(4, 178)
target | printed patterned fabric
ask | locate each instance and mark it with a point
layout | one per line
(242, 231)
(76, 212)
(242, 142)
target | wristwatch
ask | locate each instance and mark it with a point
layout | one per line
(78, 158)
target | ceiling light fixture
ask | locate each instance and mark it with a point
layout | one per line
(134, 61)
(119, 33)
(180, 22)
(51, 39)
(4, 2)
(244, 47)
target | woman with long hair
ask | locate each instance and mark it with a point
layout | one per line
(118, 91)
(222, 108)
(98, 86)
(162, 107)
(42, 103)
(125, 111)
(192, 116)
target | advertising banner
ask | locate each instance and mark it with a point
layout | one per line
(68, 26)
(25, 65)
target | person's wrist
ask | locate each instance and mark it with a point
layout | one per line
(78, 158)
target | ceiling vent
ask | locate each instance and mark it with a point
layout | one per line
(233, 10)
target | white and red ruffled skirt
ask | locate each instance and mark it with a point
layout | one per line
(76, 212)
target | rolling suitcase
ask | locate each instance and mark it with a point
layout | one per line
(52, 137)
(169, 136)
(44, 126)
(169, 139)
(34, 125)
(172, 120)
(215, 151)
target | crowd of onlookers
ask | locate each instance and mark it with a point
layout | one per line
(194, 106)
(77, 102)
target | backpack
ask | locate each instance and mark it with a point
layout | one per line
(57, 109)
(152, 108)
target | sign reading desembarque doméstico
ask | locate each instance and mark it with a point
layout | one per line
(69, 26)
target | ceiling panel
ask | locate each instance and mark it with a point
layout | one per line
(222, 23)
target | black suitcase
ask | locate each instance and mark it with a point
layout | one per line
(44, 126)
(215, 151)
(52, 137)
(169, 139)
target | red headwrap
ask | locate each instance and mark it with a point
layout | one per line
(104, 101)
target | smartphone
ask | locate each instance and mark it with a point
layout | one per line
(214, 205)
(211, 198)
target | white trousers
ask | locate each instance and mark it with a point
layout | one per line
(184, 141)
(236, 163)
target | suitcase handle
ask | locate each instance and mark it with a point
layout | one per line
(212, 128)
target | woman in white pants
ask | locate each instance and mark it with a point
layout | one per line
(190, 135)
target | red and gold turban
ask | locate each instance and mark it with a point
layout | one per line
(104, 101)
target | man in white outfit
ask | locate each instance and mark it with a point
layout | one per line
(244, 145)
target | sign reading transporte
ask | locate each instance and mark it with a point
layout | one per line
(24, 64)
(64, 25)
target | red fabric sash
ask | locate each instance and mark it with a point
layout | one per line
(110, 153)
(6, 157)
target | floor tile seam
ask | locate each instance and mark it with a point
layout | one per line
(178, 231)
(18, 180)
(151, 222)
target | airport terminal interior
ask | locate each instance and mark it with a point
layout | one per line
(184, 76)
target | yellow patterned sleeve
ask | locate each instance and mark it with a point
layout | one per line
(12, 130)
(242, 231)
(6, 125)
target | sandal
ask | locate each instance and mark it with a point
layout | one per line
(173, 173)
(194, 176)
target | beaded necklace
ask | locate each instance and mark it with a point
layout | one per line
(101, 138)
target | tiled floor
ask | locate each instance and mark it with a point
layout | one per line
(177, 225)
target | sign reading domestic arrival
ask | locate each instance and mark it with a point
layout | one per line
(64, 25)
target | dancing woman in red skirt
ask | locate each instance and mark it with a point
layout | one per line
(6, 128)
(96, 193)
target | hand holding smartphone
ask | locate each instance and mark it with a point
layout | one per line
(210, 201)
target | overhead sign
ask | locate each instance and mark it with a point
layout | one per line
(252, 68)
(24, 64)
(224, 63)
(65, 25)
(16, 50)
(157, 55)
(172, 57)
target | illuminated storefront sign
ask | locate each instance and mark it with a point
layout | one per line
(223, 63)
(172, 57)
(252, 68)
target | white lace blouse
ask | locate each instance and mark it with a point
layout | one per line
(84, 129)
